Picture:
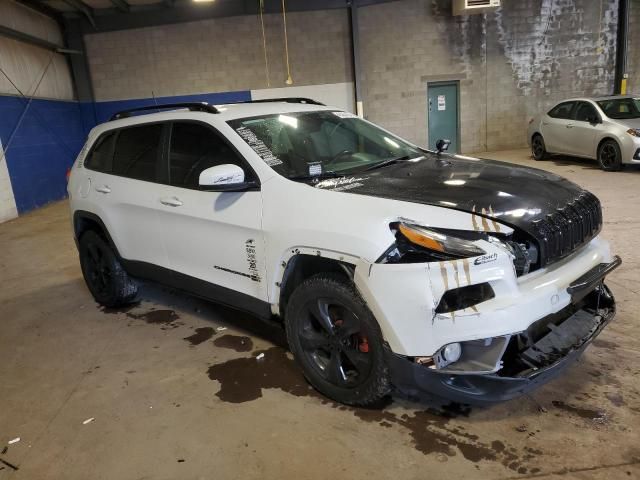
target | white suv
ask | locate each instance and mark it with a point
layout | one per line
(387, 264)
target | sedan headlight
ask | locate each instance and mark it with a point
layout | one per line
(634, 132)
(441, 243)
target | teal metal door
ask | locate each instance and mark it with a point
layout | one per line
(443, 114)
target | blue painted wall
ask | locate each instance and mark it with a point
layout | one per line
(41, 144)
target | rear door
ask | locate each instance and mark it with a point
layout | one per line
(124, 169)
(555, 126)
(215, 237)
(581, 133)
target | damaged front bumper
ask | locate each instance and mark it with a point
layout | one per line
(532, 357)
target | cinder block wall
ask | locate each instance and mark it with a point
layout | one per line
(633, 66)
(218, 55)
(511, 64)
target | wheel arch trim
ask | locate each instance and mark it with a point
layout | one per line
(80, 215)
(287, 263)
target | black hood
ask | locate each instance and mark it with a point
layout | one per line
(521, 197)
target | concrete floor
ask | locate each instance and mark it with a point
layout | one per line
(172, 397)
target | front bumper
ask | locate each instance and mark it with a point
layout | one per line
(553, 352)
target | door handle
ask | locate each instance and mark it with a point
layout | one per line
(570, 125)
(171, 201)
(103, 189)
(544, 124)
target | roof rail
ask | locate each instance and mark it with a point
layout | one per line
(192, 106)
(308, 101)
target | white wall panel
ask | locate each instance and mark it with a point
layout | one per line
(25, 64)
(29, 21)
(8, 208)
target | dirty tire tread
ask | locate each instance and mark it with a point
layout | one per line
(123, 289)
(378, 385)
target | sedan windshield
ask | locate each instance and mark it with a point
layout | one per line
(621, 108)
(309, 145)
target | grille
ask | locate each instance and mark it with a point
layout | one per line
(568, 228)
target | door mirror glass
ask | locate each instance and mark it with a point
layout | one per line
(442, 145)
(222, 177)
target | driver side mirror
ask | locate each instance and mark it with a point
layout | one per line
(224, 178)
(594, 119)
(442, 145)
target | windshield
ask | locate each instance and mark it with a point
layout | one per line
(621, 108)
(316, 144)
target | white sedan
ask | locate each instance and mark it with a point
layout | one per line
(606, 129)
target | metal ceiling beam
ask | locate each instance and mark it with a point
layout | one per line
(42, 8)
(121, 5)
(30, 39)
(83, 8)
(188, 11)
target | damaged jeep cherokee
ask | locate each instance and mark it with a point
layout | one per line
(389, 265)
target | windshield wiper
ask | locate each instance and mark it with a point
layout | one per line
(321, 176)
(390, 161)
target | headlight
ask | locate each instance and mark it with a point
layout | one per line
(439, 242)
(634, 131)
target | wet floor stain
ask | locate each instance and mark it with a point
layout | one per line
(234, 342)
(201, 335)
(616, 399)
(167, 319)
(604, 344)
(157, 317)
(432, 431)
(244, 379)
(582, 412)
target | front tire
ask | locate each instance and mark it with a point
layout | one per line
(538, 148)
(337, 341)
(105, 277)
(610, 156)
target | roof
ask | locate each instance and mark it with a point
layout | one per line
(226, 112)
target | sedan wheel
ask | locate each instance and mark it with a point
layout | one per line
(609, 156)
(538, 148)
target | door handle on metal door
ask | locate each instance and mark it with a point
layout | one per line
(103, 189)
(570, 125)
(171, 202)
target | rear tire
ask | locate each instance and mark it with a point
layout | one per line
(538, 148)
(105, 277)
(337, 341)
(610, 156)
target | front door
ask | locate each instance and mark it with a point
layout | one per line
(214, 237)
(443, 114)
(581, 132)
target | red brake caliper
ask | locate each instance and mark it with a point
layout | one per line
(363, 346)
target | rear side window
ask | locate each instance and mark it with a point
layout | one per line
(194, 148)
(562, 111)
(586, 112)
(137, 152)
(100, 158)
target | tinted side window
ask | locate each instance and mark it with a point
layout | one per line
(137, 151)
(100, 157)
(586, 112)
(194, 148)
(562, 111)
